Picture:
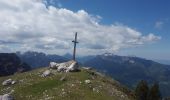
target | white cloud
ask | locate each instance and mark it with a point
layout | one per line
(31, 25)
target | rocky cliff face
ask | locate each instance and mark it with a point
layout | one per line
(10, 64)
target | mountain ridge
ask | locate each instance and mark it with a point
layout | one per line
(39, 59)
(126, 69)
(31, 86)
(130, 70)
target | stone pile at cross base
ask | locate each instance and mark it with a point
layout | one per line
(65, 67)
(69, 66)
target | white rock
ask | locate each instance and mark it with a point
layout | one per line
(53, 65)
(63, 93)
(6, 97)
(72, 85)
(95, 90)
(7, 82)
(62, 67)
(62, 89)
(122, 96)
(87, 81)
(74, 66)
(13, 82)
(46, 73)
(87, 68)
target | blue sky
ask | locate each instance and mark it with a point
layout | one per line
(143, 15)
(125, 27)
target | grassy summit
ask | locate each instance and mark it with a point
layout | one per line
(31, 86)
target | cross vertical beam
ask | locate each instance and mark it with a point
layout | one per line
(75, 42)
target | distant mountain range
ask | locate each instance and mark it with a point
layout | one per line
(127, 70)
(130, 70)
(10, 63)
(80, 59)
(167, 62)
(39, 59)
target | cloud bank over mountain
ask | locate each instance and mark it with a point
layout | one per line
(32, 25)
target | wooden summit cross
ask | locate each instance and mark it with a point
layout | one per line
(74, 51)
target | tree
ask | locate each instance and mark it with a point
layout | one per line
(154, 93)
(142, 90)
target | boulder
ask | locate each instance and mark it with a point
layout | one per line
(13, 82)
(46, 73)
(87, 68)
(7, 82)
(62, 67)
(73, 67)
(65, 67)
(53, 65)
(6, 97)
(87, 81)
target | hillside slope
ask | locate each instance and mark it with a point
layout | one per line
(130, 70)
(31, 86)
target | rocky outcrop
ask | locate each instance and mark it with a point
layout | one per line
(65, 67)
(8, 82)
(73, 67)
(10, 64)
(87, 81)
(46, 73)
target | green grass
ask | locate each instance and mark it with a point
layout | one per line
(31, 86)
